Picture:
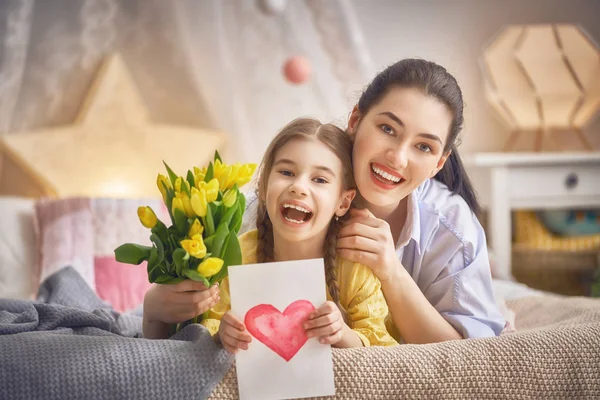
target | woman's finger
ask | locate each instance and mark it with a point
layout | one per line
(358, 243)
(358, 229)
(359, 256)
(373, 222)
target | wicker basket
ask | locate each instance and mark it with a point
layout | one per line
(564, 272)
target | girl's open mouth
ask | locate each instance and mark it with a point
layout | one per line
(385, 179)
(296, 214)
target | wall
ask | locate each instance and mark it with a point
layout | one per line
(453, 33)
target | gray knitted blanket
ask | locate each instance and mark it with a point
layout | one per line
(70, 345)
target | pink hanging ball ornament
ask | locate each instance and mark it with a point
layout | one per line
(297, 69)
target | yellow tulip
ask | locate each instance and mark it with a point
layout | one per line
(222, 173)
(177, 205)
(187, 205)
(211, 189)
(209, 267)
(195, 229)
(245, 174)
(178, 184)
(195, 246)
(147, 217)
(235, 170)
(198, 202)
(161, 182)
(199, 175)
(229, 198)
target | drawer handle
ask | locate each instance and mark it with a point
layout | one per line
(571, 181)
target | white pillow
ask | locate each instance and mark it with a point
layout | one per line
(18, 248)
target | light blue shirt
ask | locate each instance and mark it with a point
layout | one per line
(443, 248)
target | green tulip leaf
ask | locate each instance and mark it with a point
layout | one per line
(131, 253)
(172, 175)
(209, 173)
(220, 239)
(180, 256)
(190, 179)
(181, 222)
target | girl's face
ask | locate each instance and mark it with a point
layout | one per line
(398, 144)
(305, 190)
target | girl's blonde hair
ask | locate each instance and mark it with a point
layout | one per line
(340, 144)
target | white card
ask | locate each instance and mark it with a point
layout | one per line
(280, 365)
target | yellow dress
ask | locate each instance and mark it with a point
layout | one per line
(360, 295)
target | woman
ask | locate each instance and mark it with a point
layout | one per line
(417, 230)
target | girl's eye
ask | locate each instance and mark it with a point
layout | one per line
(320, 180)
(286, 172)
(425, 148)
(387, 129)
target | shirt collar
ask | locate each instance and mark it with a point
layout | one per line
(412, 226)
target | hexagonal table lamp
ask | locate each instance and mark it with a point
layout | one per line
(112, 149)
(543, 78)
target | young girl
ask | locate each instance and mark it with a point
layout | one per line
(305, 188)
(418, 231)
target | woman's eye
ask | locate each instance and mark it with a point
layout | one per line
(387, 129)
(320, 180)
(286, 172)
(425, 148)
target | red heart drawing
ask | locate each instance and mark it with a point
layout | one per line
(281, 332)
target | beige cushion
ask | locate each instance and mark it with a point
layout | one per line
(17, 247)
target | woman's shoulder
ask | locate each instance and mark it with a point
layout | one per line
(439, 207)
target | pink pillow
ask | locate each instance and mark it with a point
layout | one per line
(84, 233)
(65, 237)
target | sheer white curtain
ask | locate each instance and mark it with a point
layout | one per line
(238, 50)
(210, 63)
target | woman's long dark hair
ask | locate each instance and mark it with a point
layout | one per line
(433, 80)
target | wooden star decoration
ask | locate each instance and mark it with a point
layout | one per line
(112, 149)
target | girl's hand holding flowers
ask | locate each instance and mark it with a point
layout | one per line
(191, 255)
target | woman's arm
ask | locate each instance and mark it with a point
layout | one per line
(415, 318)
(368, 240)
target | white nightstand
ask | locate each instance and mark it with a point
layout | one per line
(532, 181)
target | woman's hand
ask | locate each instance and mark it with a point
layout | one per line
(233, 334)
(173, 304)
(327, 324)
(367, 240)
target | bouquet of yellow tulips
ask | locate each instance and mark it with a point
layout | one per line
(206, 209)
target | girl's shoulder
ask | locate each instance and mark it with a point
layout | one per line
(354, 274)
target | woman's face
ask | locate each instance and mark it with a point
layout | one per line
(398, 144)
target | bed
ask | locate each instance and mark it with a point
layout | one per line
(553, 354)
